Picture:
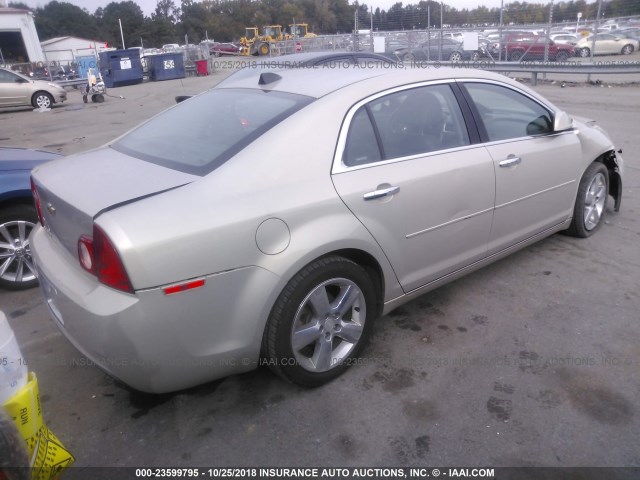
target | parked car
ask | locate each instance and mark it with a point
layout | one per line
(606, 44)
(17, 90)
(437, 49)
(18, 215)
(219, 49)
(564, 38)
(629, 32)
(533, 48)
(272, 219)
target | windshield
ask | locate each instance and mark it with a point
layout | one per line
(200, 134)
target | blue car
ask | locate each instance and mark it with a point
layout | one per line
(18, 215)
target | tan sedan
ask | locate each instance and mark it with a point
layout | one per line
(17, 90)
(273, 219)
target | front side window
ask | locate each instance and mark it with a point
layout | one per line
(507, 114)
(201, 134)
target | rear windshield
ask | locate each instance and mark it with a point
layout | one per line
(200, 134)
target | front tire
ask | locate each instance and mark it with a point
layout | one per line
(455, 57)
(562, 57)
(591, 201)
(42, 100)
(320, 322)
(16, 264)
(585, 52)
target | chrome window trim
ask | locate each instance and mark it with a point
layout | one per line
(339, 166)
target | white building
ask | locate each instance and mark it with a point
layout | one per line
(66, 49)
(19, 42)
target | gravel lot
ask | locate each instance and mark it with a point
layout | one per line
(533, 361)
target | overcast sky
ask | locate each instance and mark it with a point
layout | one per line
(149, 6)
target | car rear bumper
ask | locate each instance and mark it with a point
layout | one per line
(151, 341)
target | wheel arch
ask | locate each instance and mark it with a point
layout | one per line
(39, 92)
(369, 263)
(609, 159)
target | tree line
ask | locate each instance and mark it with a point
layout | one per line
(225, 20)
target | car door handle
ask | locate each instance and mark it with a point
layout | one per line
(510, 161)
(381, 192)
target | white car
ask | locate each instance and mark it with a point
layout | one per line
(564, 38)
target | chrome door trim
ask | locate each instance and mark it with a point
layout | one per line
(466, 217)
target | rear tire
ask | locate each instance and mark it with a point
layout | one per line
(320, 322)
(591, 201)
(455, 57)
(585, 52)
(562, 57)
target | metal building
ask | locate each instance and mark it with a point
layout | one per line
(19, 42)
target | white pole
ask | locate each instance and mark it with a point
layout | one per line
(121, 34)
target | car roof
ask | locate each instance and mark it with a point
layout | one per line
(303, 60)
(318, 82)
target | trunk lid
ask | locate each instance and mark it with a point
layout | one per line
(75, 190)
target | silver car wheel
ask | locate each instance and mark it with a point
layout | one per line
(43, 100)
(328, 324)
(594, 201)
(16, 265)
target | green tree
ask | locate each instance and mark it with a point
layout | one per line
(132, 18)
(58, 19)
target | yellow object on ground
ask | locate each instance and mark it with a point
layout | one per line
(48, 457)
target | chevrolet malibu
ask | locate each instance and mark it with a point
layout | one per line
(273, 219)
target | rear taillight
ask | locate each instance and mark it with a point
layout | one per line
(36, 199)
(99, 257)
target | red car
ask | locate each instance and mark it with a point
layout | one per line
(533, 48)
(224, 49)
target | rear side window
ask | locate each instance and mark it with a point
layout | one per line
(507, 114)
(409, 122)
(199, 135)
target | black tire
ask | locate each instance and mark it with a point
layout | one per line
(99, 98)
(408, 57)
(326, 277)
(14, 462)
(627, 49)
(455, 57)
(9, 218)
(585, 52)
(263, 49)
(581, 226)
(42, 99)
(562, 57)
(516, 56)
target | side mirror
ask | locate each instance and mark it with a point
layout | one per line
(562, 122)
